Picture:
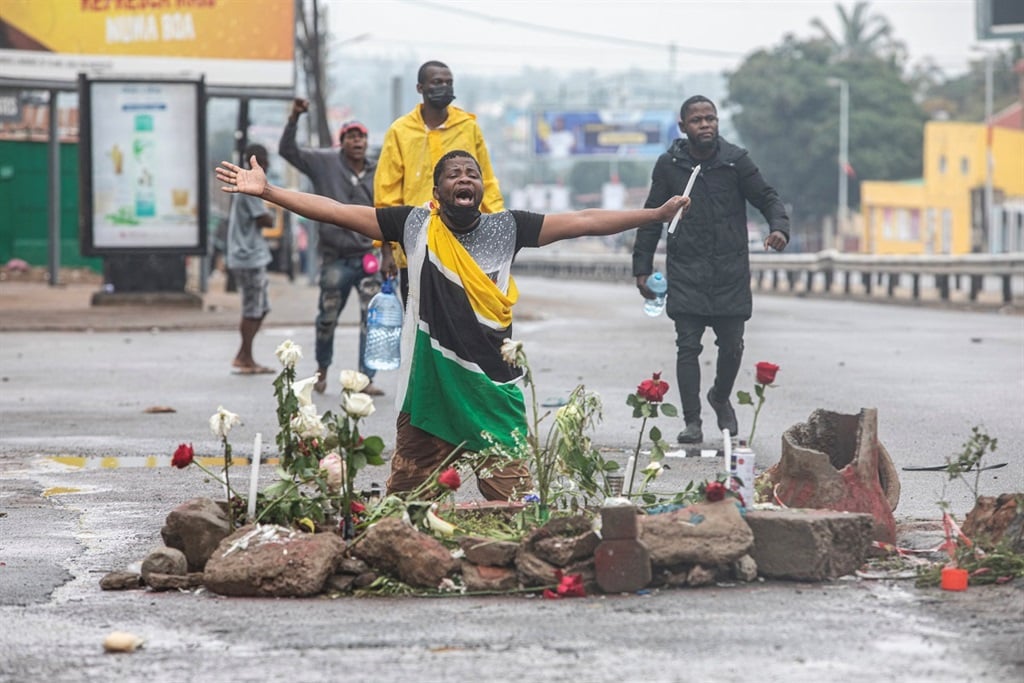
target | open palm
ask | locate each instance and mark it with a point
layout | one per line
(246, 180)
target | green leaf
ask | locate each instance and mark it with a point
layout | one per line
(669, 410)
(357, 461)
(373, 444)
(743, 398)
(655, 434)
(759, 389)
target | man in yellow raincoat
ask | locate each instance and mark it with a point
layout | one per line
(416, 142)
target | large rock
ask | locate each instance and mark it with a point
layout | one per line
(415, 558)
(809, 545)
(997, 520)
(559, 545)
(482, 578)
(273, 561)
(709, 534)
(196, 527)
(164, 561)
(488, 551)
(835, 462)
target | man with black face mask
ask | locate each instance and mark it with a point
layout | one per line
(707, 255)
(456, 380)
(412, 147)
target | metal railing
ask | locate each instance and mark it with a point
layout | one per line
(982, 279)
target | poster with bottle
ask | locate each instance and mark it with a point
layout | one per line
(144, 143)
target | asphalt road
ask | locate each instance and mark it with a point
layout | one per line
(84, 489)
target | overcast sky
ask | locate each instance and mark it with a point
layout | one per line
(711, 35)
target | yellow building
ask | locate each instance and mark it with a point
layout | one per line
(943, 213)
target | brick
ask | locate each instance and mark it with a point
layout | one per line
(622, 566)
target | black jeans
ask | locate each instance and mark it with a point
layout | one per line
(728, 339)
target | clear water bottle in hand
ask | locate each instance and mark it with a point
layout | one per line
(384, 329)
(659, 285)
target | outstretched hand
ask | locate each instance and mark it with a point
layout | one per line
(669, 208)
(245, 180)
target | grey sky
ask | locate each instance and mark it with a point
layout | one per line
(712, 35)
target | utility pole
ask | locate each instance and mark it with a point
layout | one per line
(318, 47)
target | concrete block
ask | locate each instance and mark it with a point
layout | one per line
(809, 545)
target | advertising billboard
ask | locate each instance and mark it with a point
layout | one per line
(143, 187)
(232, 44)
(566, 134)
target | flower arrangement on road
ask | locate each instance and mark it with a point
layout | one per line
(568, 470)
(765, 378)
(647, 402)
(320, 455)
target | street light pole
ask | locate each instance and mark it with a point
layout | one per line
(989, 161)
(844, 157)
(979, 240)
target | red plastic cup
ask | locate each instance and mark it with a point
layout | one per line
(954, 579)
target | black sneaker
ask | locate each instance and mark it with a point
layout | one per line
(692, 434)
(725, 414)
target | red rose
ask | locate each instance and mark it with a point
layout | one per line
(183, 456)
(715, 492)
(653, 389)
(766, 372)
(450, 479)
(569, 586)
(355, 507)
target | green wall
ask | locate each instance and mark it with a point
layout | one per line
(24, 211)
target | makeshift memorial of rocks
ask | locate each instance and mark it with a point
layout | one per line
(584, 527)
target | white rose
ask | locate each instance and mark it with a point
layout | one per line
(288, 353)
(354, 381)
(303, 390)
(654, 469)
(307, 424)
(358, 404)
(334, 466)
(510, 351)
(222, 421)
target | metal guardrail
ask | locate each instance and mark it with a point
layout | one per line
(996, 279)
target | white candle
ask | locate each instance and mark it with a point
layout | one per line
(630, 466)
(254, 475)
(727, 452)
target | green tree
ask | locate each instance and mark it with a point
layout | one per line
(962, 98)
(788, 117)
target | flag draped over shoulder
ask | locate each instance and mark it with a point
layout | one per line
(459, 385)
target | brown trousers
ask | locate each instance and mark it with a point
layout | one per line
(418, 454)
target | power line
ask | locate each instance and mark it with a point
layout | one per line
(584, 35)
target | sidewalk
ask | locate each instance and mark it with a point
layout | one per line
(31, 305)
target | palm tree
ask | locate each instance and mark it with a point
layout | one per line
(864, 35)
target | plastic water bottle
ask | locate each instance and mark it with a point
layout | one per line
(384, 329)
(659, 285)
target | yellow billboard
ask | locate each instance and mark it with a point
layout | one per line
(233, 43)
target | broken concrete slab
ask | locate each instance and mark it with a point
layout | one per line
(809, 545)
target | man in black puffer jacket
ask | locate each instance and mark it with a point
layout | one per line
(708, 265)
